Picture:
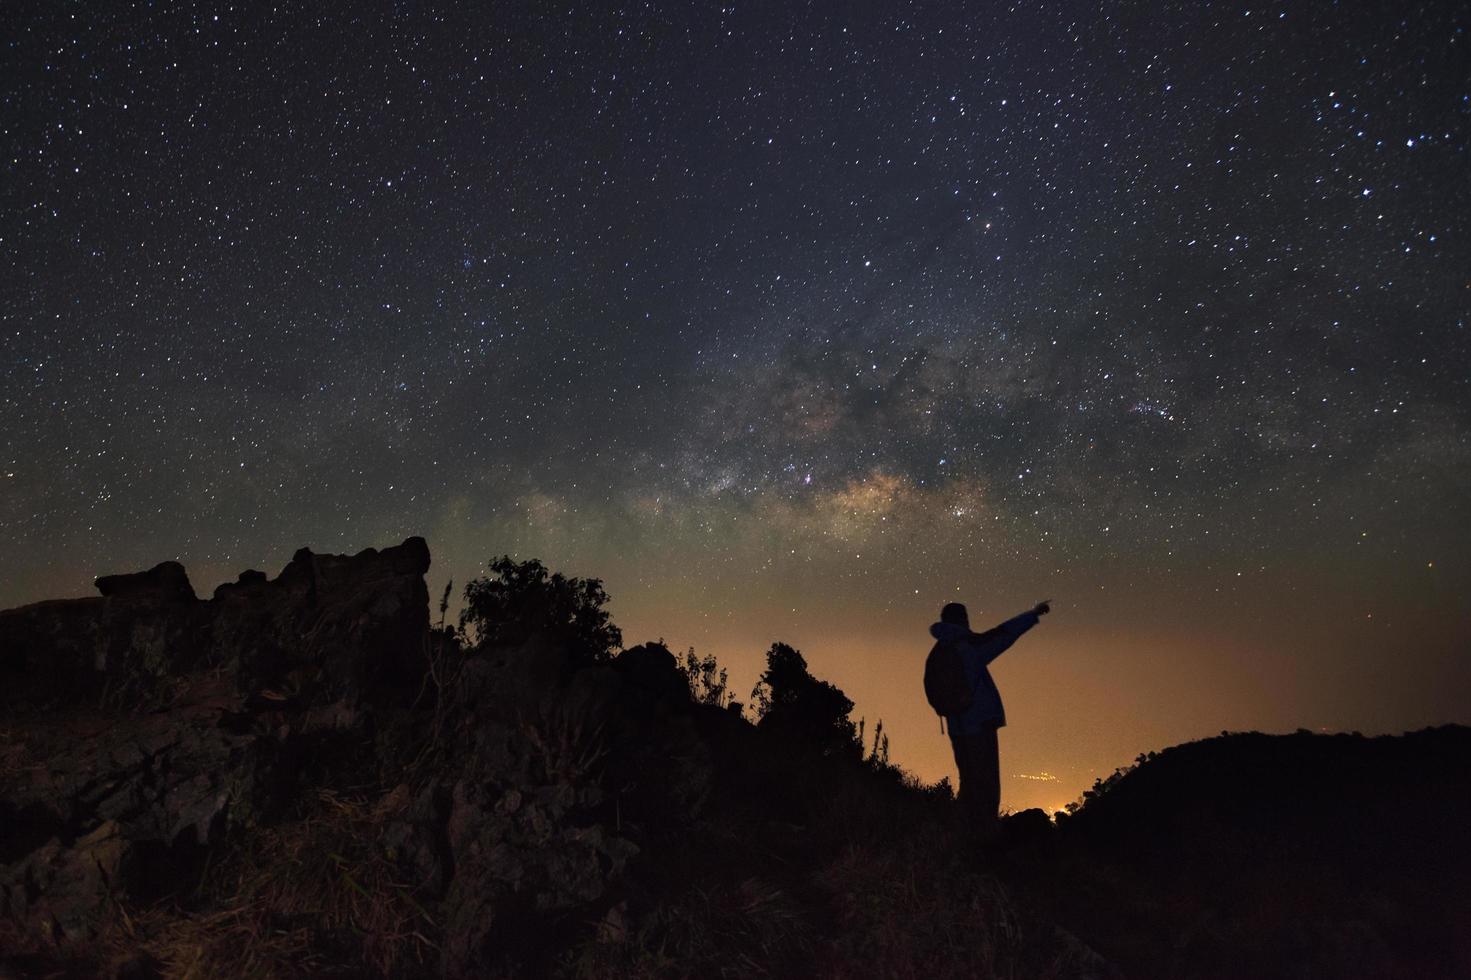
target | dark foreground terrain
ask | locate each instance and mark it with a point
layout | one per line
(303, 776)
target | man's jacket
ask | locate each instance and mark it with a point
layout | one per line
(977, 650)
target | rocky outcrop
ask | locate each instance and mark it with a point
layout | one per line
(348, 620)
(105, 806)
(140, 728)
(166, 581)
(346, 628)
(147, 736)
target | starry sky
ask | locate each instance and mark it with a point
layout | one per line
(790, 322)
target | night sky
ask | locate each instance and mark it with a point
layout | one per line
(790, 322)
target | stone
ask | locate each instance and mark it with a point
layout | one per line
(164, 582)
(59, 891)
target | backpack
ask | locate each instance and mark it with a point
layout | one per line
(945, 685)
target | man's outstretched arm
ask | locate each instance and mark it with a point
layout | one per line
(995, 641)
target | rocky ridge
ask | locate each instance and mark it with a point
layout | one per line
(300, 776)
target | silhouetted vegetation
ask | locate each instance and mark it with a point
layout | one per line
(878, 754)
(811, 713)
(524, 598)
(709, 683)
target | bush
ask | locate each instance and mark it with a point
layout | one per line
(709, 683)
(523, 599)
(792, 703)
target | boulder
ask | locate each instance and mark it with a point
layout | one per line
(164, 582)
(653, 668)
(61, 891)
(1031, 826)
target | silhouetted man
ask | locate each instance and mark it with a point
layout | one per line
(973, 732)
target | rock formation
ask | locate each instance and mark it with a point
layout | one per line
(303, 757)
(143, 725)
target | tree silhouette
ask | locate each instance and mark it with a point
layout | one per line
(790, 701)
(708, 680)
(523, 599)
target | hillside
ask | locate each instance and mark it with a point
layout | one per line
(1275, 856)
(304, 776)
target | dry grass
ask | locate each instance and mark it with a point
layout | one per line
(902, 913)
(749, 928)
(566, 747)
(313, 897)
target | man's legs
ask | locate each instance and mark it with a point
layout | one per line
(980, 780)
(987, 776)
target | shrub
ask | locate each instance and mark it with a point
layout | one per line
(792, 703)
(524, 598)
(707, 679)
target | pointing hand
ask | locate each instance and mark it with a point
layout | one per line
(1043, 608)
